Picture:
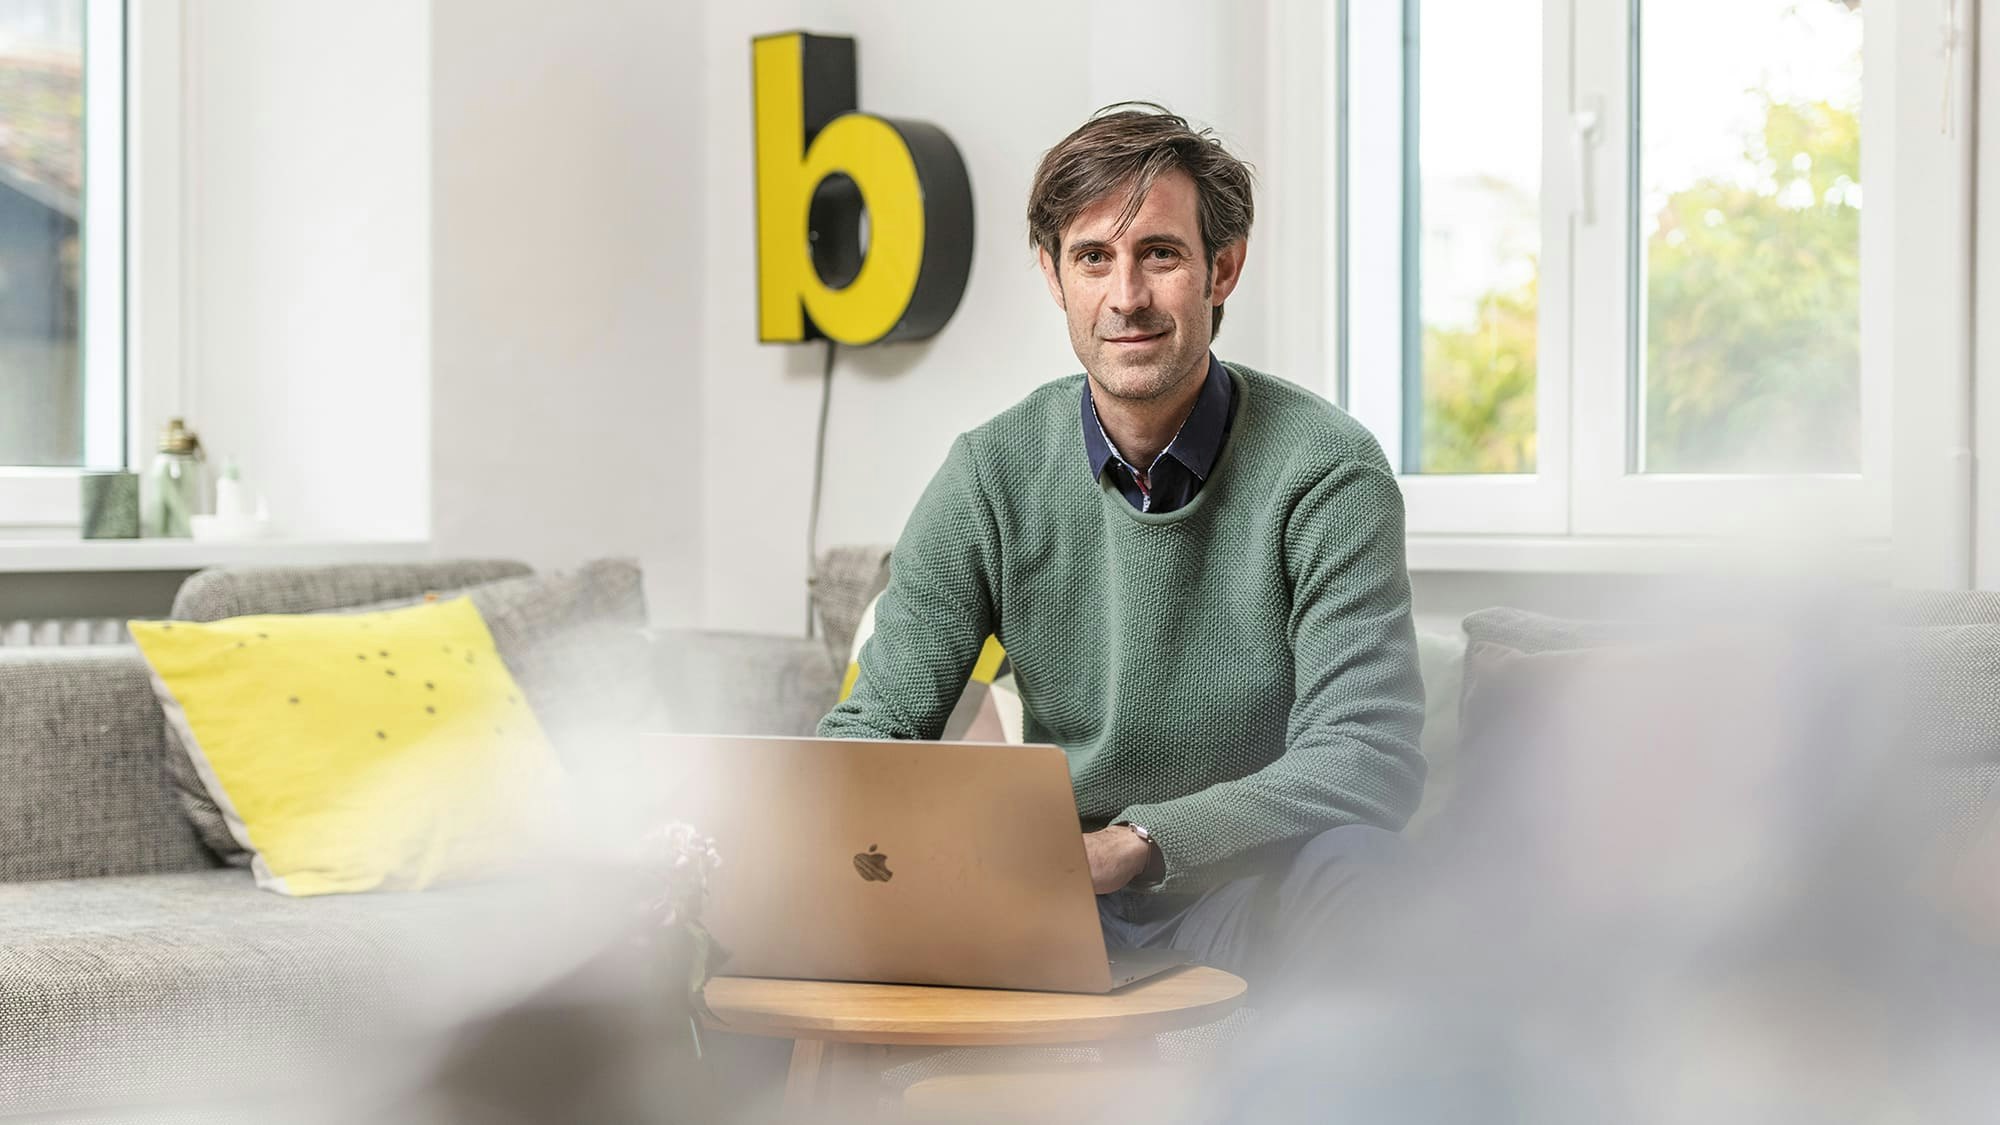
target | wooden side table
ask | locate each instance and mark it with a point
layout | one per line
(844, 1034)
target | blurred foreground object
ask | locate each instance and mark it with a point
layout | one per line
(1688, 875)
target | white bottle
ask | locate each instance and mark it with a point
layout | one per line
(230, 502)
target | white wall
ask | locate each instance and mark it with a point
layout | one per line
(305, 271)
(1005, 82)
(567, 285)
(435, 270)
(485, 270)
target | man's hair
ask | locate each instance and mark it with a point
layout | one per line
(1126, 147)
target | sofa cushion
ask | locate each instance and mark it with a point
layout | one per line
(1930, 670)
(1947, 607)
(1723, 751)
(574, 641)
(83, 784)
(742, 683)
(127, 989)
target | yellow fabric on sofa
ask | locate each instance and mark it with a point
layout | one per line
(371, 751)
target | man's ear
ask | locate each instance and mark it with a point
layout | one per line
(1050, 275)
(1228, 271)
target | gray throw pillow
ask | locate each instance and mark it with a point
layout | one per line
(1931, 693)
(1946, 607)
(1705, 741)
(575, 642)
(1525, 631)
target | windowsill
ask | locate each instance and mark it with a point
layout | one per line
(19, 556)
(1637, 555)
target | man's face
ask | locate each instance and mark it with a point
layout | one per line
(1139, 301)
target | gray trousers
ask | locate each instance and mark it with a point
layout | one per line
(1282, 926)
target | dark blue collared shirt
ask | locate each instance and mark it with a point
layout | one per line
(1184, 465)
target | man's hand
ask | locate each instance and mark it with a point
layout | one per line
(1117, 856)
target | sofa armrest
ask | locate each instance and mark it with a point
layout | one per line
(83, 782)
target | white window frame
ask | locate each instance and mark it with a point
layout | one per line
(1582, 489)
(1609, 496)
(1436, 503)
(40, 500)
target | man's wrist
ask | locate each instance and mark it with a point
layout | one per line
(1154, 867)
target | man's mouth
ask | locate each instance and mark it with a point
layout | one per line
(1145, 339)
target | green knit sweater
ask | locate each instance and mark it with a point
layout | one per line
(1236, 675)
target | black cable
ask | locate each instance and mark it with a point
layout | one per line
(819, 474)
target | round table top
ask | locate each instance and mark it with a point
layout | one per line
(914, 1014)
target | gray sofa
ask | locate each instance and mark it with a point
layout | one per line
(134, 967)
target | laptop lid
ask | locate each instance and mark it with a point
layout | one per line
(948, 863)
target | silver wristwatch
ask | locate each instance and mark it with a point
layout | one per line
(1145, 834)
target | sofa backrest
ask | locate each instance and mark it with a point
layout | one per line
(846, 579)
(83, 785)
(212, 595)
(741, 683)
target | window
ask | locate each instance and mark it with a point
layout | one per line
(1601, 265)
(1746, 263)
(1471, 185)
(62, 370)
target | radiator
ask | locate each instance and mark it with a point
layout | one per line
(68, 631)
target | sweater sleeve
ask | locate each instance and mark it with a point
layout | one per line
(1351, 753)
(934, 617)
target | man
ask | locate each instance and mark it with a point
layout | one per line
(1196, 570)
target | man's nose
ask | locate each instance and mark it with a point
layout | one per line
(1129, 291)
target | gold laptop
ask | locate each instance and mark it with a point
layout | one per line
(954, 863)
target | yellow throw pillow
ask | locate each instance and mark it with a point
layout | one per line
(371, 751)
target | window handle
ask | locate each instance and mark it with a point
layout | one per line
(1585, 127)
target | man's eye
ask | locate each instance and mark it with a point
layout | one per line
(1163, 253)
(1091, 257)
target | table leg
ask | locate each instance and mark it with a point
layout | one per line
(803, 1083)
(834, 1078)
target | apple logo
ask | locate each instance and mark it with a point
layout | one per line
(873, 866)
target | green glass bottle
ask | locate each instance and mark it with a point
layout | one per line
(173, 484)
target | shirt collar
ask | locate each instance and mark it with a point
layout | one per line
(1199, 441)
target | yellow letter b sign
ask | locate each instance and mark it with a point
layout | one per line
(864, 224)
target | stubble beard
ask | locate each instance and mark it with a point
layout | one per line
(1144, 380)
(1141, 380)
